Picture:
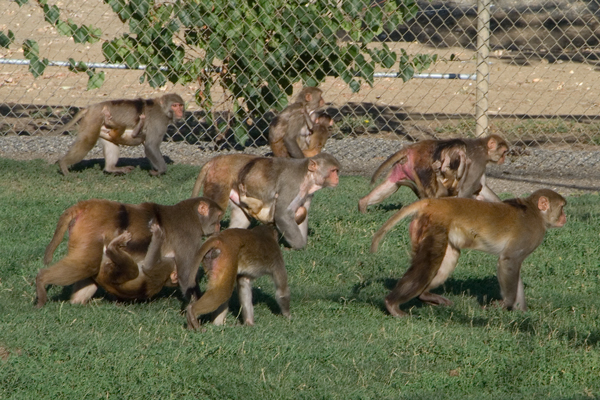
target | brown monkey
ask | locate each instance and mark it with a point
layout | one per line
(118, 134)
(512, 229)
(287, 186)
(158, 114)
(314, 140)
(460, 169)
(125, 278)
(92, 223)
(290, 124)
(259, 210)
(239, 255)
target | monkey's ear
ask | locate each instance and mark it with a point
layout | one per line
(312, 165)
(543, 204)
(203, 208)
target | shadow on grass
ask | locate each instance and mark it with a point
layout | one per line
(141, 163)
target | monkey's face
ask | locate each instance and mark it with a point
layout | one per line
(332, 179)
(177, 110)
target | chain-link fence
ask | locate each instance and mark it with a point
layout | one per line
(543, 86)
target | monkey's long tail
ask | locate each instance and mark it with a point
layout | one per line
(200, 180)
(407, 211)
(61, 228)
(393, 159)
(72, 122)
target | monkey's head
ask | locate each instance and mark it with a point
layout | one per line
(210, 215)
(551, 206)
(173, 106)
(325, 168)
(496, 149)
(311, 97)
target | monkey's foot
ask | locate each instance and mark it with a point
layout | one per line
(362, 205)
(119, 170)
(154, 172)
(434, 299)
(394, 310)
(192, 321)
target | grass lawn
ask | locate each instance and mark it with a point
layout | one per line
(340, 342)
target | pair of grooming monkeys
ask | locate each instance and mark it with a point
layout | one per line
(138, 249)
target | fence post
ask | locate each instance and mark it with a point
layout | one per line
(483, 69)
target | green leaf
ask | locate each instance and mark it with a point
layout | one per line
(354, 85)
(64, 28)
(37, 66)
(21, 2)
(31, 49)
(6, 40)
(51, 14)
(95, 81)
(155, 77)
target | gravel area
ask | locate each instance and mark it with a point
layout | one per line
(567, 171)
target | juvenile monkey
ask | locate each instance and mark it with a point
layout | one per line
(217, 177)
(125, 278)
(93, 223)
(512, 229)
(287, 127)
(286, 185)
(437, 168)
(259, 210)
(312, 140)
(239, 255)
(124, 114)
(116, 134)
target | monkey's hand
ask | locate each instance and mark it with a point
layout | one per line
(157, 232)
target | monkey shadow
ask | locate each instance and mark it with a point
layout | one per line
(165, 292)
(486, 290)
(143, 163)
(235, 308)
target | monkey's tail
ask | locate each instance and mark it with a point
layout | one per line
(393, 159)
(200, 180)
(61, 228)
(72, 122)
(404, 212)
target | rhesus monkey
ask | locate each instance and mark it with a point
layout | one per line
(125, 278)
(312, 140)
(291, 123)
(287, 186)
(512, 229)
(260, 211)
(438, 168)
(158, 114)
(115, 134)
(239, 255)
(93, 223)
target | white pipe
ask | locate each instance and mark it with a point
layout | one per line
(18, 61)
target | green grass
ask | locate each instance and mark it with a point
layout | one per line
(340, 343)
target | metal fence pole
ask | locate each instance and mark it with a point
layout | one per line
(483, 70)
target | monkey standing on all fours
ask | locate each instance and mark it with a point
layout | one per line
(151, 115)
(512, 229)
(439, 168)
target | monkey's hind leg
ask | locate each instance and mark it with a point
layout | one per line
(111, 157)
(429, 253)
